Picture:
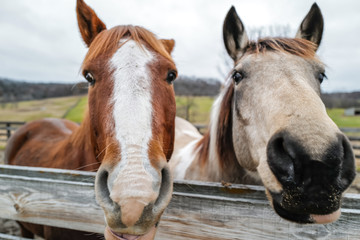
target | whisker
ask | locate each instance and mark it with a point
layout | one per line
(103, 150)
(87, 165)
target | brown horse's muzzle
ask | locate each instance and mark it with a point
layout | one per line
(311, 187)
(132, 207)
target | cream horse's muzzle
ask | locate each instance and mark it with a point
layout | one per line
(311, 188)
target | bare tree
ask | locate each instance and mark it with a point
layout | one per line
(254, 33)
(271, 30)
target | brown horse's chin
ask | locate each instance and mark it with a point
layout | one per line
(111, 235)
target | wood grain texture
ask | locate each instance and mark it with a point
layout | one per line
(198, 210)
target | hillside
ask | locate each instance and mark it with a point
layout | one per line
(341, 100)
(15, 91)
(192, 86)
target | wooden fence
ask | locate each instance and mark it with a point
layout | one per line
(198, 210)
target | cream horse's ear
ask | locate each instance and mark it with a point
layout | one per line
(311, 28)
(89, 23)
(234, 34)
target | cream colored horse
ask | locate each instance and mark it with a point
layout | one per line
(269, 126)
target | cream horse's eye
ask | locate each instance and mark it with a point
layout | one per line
(237, 76)
(321, 77)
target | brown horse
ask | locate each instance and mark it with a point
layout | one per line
(270, 126)
(127, 134)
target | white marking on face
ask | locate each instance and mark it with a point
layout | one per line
(133, 177)
(132, 95)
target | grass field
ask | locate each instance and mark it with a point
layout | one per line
(76, 113)
(37, 109)
(198, 108)
(337, 115)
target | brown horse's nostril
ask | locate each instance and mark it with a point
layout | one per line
(165, 190)
(101, 187)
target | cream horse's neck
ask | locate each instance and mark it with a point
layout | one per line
(197, 157)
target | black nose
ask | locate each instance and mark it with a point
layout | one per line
(295, 167)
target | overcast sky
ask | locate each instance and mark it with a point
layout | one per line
(40, 41)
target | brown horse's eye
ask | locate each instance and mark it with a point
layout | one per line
(171, 76)
(90, 78)
(237, 76)
(321, 77)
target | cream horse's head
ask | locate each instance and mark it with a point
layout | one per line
(280, 127)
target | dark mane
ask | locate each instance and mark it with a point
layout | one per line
(225, 148)
(296, 46)
(108, 41)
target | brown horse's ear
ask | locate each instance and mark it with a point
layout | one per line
(168, 44)
(312, 26)
(234, 34)
(89, 24)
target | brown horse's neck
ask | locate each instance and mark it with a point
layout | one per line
(82, 146)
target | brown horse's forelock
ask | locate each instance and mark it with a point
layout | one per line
(108, 41)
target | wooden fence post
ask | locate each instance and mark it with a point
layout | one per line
(8, 130)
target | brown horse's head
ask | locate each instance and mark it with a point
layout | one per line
(280, 127)
(132, 112)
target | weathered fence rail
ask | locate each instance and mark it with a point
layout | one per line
(197, 210)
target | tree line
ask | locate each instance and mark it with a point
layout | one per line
(14, 91)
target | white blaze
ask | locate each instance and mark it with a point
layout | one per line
(133, 177)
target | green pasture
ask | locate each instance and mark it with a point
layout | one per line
(337, 115)
(76, 113)
(195, 109)
(37, 109)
